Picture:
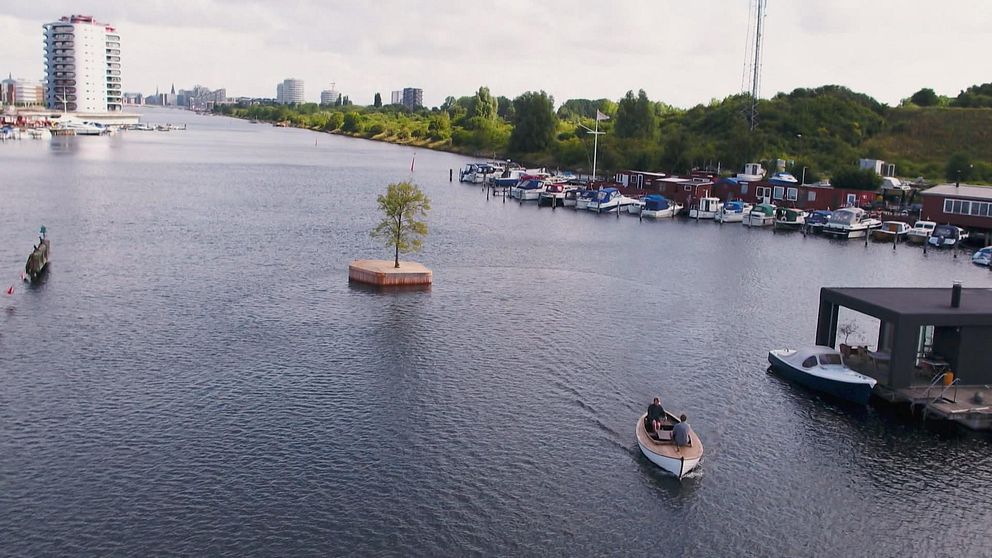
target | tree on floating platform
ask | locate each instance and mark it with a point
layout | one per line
(403, 205)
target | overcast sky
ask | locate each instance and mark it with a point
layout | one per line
(683, 52)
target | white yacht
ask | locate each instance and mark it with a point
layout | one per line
(920, 232)
(732, 212)
(608, 200)
(706, 208)
(850, 222)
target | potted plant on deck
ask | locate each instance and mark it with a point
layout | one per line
(847, 330)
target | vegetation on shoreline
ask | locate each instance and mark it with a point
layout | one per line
(824, 130)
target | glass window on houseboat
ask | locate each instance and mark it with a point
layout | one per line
(792, 194)
(983, 209)
(743, 188)
(830, 358)
(778, 192)
(810, 362)
(956, 206)
(812, 196)
(976, 207)
(948, 205)
(965, 207)
(852, 199)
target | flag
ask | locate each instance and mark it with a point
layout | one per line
(601, 116)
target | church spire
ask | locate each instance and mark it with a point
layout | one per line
(173, 88)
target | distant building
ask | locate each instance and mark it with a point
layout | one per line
(200, 98)
(290, 91)
(413, 98)
(877, 166)
(329, 96)
(21, 92)
(962, 205)
(396, 97)
(133, 99)
(82, 65)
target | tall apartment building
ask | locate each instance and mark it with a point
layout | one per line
(21, 92)
(413, 98)
(82, 65)
(329, 96)
(290, 91)
(396, 97)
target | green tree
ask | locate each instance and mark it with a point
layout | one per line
(855, 179)
(958, 167)
(635, 117)
(925, 98)
(377, 101)
(439, 126)
(483, 105)
(535, 122)
(403, 206)
(504, 108)
(353, 123)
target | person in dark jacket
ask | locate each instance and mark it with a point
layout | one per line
(681, 432)
(656, 414)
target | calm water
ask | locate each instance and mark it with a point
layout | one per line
(197, 377)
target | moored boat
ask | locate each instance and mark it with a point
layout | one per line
(761, 215)
(946, 236)
(553, 195)
(789, 218)
(822, 369)
(657, 206)
(983, 256)
(816, 220)
(663, 452)
(732, 212)
(636, 208)
(891, 231)
(609, 200)
(920, 232)
(583, 198)
(850, 222)
(705, 208)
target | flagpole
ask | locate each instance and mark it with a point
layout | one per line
(595, 148)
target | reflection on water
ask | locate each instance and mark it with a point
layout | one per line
(198, 363)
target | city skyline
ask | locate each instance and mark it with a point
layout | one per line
(683, 55)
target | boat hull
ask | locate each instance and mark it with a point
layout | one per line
(730, 218)
(659, 214)
(677, 467)
(789, 225)
(697, 214)
(855, 393)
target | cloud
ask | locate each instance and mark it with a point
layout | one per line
(681, 52)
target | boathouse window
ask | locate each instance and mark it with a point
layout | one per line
(792, 194)
(968, 207)
(779, 192)
(743, 188)
(809, 362)
(762, 192)
(812, 196)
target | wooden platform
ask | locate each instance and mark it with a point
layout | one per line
(383, 273)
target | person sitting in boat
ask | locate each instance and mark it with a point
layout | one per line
(680, 433)
(656, 414)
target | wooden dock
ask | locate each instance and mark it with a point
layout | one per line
(383, 273)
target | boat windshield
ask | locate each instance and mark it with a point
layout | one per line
(827, 359)
(945, 230)
(843, 218)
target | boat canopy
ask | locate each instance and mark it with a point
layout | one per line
(656, 202)
(606, 194)
(764, 208)
(847, 216)
(532, 184)
(735, 206)
(791, 213)
(946, 231)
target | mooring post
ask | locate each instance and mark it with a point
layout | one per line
(895, 240)
(451, 175)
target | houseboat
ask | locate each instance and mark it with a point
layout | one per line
(850, 222)
(891, 231)
(789, 218)
(920, 232)
(761, 215)
(659, 207)
(732, 212)
(706, 208)
(946, 236)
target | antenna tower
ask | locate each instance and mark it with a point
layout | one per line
(751, 79)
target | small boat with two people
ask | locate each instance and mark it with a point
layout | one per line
(789, 218)
(761, 215)
(850, 222)
(705, 208)
(920, 232)
(732, 212)
(891, 231)
(822, 369)
(947, 236)
(668, 441)
(37, 262)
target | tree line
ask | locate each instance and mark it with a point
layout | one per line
(822, 130)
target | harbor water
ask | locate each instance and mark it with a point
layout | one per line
(196, 376)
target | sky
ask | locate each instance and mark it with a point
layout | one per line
(682, 52)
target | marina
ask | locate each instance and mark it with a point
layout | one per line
(232, 376)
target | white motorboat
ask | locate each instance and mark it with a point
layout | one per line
(983, 256)
(528, 189)
(706, 208)
(822, 369)
(946, 236)
(732, 212)
(39, 133)
(661, 450)
(920, 232)
(609, 200)
(816, 220)
(553, 195)
(761, 215)
(476, 173)
(82, 128)
(657, 206)
(891, 231)
(583, 198)
(850, 222)
(636, 207)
